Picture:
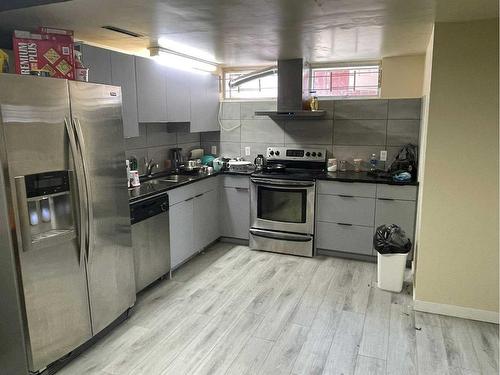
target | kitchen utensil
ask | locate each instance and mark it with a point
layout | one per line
(218, 164)
(134, 178)
(177, 157)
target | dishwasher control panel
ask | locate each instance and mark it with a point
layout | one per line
(148, 207)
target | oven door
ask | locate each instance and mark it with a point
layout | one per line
(282, 205)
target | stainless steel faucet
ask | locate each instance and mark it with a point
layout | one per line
(150, 166)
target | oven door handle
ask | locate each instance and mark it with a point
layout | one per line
(283, 183)
(281, 236)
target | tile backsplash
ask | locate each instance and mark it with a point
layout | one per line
(351, 129)
(156, 140)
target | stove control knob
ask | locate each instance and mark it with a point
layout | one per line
(319, 154)
(313, 154)
(308, 154)
(277, 153)
(271, 152)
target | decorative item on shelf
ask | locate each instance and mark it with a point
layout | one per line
(373, 162)
(357, 164)
(81, 72)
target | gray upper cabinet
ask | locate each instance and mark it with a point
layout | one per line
(123, 74)
(204, 89)
(151, 90)
(98, 61)
(178, 95)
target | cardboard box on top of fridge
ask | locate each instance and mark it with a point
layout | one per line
(46, 51)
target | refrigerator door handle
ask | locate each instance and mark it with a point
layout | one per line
(88, 188)
(82, 194)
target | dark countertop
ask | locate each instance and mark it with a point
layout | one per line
(156, 185)
(351, 176)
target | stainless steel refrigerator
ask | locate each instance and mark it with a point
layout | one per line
(62, 157)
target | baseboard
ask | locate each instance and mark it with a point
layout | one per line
(457, 311)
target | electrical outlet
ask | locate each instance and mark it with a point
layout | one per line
(213, 150)
(383, 155)
(247, 151)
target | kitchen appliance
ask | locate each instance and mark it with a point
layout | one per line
(260, 163)
(282, 201)
(177, 158)
(62, 152)
(240, 166)
(150, 239)
(290, 93)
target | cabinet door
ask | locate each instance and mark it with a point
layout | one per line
(123, 74)
(98, 61)
(204, 102)
(235, 212)
(178, 95)
(346, 209)
(346, 238)
(206, 221)
(181, 232)
(151, 90)
(397, 212)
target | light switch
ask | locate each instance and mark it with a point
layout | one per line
(213, 150)
(247, 151)
(383, 155)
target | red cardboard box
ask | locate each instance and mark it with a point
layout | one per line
(52, 53)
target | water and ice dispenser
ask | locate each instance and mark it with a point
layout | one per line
(46, 209)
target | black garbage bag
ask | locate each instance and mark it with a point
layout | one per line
(391, 239)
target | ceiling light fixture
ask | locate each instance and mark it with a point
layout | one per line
(181, 61)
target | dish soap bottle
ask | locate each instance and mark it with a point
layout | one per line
(373, 162)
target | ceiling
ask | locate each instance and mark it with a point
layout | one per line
(256, 32)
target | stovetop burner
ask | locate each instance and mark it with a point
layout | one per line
(293, 164)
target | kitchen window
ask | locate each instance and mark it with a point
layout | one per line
(346, 81)
(259, 88)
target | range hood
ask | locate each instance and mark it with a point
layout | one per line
(290, 78)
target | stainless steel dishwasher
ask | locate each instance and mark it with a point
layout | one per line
(150, 239)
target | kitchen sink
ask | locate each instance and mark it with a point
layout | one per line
(175, 178)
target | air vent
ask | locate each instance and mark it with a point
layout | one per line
(122, 31)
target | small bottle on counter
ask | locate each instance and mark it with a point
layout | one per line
(373, 162)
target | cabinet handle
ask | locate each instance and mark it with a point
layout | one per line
(345, 224)
(189, 199)
(197, 196)
(346, 196)
(241, 188)
(386, 199)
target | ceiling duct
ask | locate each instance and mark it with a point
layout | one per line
(122, 31)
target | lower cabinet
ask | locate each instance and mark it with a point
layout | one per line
(181, 231)
(348, 214)
(394, 211)
(194, 218)
(342, 237)
(235, 207)
(206, 219)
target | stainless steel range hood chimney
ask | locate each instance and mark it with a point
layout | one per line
(290, 92)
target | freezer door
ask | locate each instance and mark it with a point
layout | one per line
(97, 116)
(34, 139)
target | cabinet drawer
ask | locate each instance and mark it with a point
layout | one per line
(397, 212)
(189, 191)
(236, 181)
(351, 239)
(349, 210)
(357, 189)
(397, 192)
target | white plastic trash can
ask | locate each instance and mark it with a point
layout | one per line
(391, 271)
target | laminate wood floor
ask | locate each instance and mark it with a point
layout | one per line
(231, 310)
